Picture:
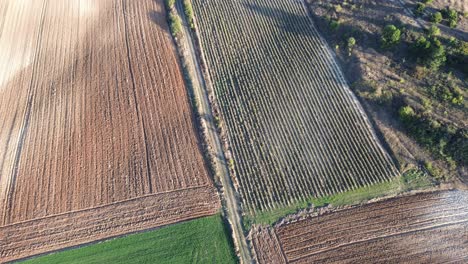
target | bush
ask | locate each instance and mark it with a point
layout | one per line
(390, 36)
(436, 17)
(427, 2)
(170, 3)
(406, 114)
(444, 141)
(451, 15)
(175, 24)
(457, 55)
(334, 25)
(433, 31)
(188, 10)
(430, 52)
(419, 10)
(351, 43)
(436, 56)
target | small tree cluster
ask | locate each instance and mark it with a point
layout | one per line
(430, 52)
(391, 36)
(436, 17)
(419, 9)
(451, 15)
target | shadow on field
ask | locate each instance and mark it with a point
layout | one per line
(159, 18)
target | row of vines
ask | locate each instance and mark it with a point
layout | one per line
(294, 127)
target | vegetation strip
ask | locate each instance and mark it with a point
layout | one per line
(203, 240)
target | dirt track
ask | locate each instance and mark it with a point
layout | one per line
(93, 108)
(422, 228)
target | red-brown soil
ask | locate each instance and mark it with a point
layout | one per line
(431, 227)
(93, 111)
(73, 228)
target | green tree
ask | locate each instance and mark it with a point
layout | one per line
(419, 10)
(390, 36)
(406, 114)
(433, 31)
(351, 43)
(436, 17)
(437, 55)
(451, 15)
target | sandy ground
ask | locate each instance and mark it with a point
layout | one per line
(423, 228)
(93, 108)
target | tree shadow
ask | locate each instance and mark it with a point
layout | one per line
(159, 18)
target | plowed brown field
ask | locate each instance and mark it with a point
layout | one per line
(425, 228)
(93, 111)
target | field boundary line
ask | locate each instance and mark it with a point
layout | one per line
(379, 237)
(231, 204)
(206, 186)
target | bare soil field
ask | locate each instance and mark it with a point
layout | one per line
(423, 228)
(74, 228)
(93, 111)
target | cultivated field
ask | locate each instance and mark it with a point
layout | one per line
(93, 112)
(179, 243)
(424, 228)
(295, 129)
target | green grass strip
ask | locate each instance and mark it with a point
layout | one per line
(203, 240)
(411, 180)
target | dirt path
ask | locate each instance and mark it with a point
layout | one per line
(232, 207)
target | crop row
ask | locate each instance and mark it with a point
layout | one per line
(294, 127)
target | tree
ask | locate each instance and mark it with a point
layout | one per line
(436, 17)
(406, 114)
(451, 15)
(433, 31)
(437, 55)
(419, 10)
(390, 36)
(351, 43)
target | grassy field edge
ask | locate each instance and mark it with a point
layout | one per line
(410, 180)
(203, 240)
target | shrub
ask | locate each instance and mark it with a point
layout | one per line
(437, 55)
(433, 31)
(170, 3)
(419, 10)
(430, 52)
(436, 17)
(390, 36)
(188, 10)
(351, 43)
(451, 15)
(334, 25)
(406, 114)
(175, 24)
(427, 2)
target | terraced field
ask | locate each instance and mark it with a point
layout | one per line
(424, 228)
(295, 129)
(94, 113)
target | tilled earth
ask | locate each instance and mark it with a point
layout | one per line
(424, 228)
(93, 112)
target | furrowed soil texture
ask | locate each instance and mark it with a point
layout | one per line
(424, 228)
(295, 129)
(94, 112)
